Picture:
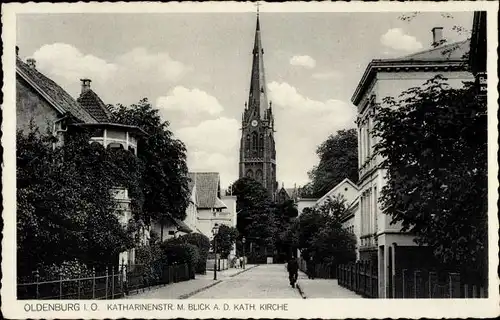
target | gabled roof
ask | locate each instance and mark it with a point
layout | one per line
(337, 188)
(52, 92)
(207, 189)
(450, 57)
(91, 102)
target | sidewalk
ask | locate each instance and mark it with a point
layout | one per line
(324, 288)
(184, 289)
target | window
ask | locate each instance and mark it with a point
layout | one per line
(171, 232)
(115, 145)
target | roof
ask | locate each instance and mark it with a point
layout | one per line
(134, 129)
(337, 187)
(52, 92)
(207, 189)
(91, 102)
(450, 56)
(452, 51)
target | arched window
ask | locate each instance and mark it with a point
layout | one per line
(249, 174)
(254, 140)
(247, 146)
(258, 175)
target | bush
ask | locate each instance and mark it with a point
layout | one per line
(178, 253)
(203, 244)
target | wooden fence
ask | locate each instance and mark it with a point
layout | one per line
(321, 271)
(113, 283)
(360, 277)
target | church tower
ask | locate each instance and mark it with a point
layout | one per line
(257, 148)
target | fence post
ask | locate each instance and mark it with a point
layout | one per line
(417, 277)
(122, 275)
(93, 282)
(37, 280)
(60, 285)
(474, 291)
(432, 282)
(405, 271)
(107, 280)
(454, 285)
(112, 282)
(466, 291)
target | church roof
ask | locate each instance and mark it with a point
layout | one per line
(257, 100)
(91, 102)
(52, 92)
(207, 186)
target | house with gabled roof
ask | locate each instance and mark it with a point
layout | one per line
(42, 103)
(213, 208)
(382, 242)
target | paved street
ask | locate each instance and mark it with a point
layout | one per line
(261, 282)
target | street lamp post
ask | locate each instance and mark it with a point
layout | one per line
(243, 241)
(215, 231)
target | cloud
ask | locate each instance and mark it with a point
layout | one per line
(64, 60)
(396, 39)
(122, 77)
(303, 61)
(304, 123)
(213, 146)
(326, 75)
(189, 104)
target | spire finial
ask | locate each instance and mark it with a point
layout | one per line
(258, 5)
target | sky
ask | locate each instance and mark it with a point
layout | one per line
(195, 68)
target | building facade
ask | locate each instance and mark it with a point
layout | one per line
(257, 146)
(381, 241)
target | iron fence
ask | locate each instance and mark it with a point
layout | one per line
(112, 283)
(415, 284)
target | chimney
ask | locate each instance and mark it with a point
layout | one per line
(437, 36)
(17, 51)
(31, 63)
(85, 85)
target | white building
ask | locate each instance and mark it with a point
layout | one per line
(380, 241)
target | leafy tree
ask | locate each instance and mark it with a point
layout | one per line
(256, 214)
(166, 175)
(434, 142)
(64, 201)
(226, 238)
(318, 233)
(177, 253)
(338, 160)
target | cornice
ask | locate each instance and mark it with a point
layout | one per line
(402, 65)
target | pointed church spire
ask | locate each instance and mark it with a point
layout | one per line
(257, 100)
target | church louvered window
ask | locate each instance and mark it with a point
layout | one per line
(261, 145)
(247, 145)
(254, 144)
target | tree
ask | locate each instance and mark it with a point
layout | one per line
(256, 214)
(434, 142)
(318, 233)
(226, 238)
(338, 160)
(166, 176)
(64, 201)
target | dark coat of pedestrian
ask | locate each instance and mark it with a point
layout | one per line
(293, 271)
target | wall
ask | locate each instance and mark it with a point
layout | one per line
(31, 106)
(305, 203)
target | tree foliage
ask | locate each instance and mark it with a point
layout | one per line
(338, 160)
(64, 201)
(318, 233)
(166, 174)
(256, 217)
(226, 238)
(434, 142)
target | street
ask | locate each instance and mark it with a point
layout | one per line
(263, 281)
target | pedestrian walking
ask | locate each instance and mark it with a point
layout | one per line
(241, 262)
(311, 268)
(293, 271)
